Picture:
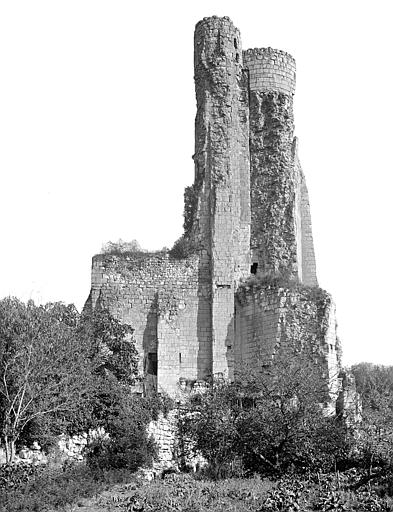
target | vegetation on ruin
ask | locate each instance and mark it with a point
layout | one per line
(267, 422)
(62, 372)
(39, 379)
(267, 445)
(262, 281)
(131, 249)
(182, 248)
(121, 248)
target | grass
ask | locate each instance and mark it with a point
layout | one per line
(55, 488)
(78, 488)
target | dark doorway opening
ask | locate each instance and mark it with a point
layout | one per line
(150, 381)
(151, 363)
(254, 268)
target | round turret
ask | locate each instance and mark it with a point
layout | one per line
(217, 43)
(270, 70)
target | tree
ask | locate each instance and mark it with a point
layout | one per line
(282, 423)
(111, 344)
(270, 417)
(127, 445)
(209, 421)
(44, 368)
(375, 385)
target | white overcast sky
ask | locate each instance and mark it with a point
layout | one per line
(97, 111)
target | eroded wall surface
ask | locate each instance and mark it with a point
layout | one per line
(164, 301)
(278, 321)
(281, 236)
(221, 221)
(273, 180)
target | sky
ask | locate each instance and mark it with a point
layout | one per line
(97, 108)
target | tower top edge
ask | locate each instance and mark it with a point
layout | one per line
(253, 52)
(215, 20)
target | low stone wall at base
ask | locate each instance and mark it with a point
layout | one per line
(171, 450)
(69, 448)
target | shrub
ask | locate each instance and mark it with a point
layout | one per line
(181, 248)
(120, 247)
(209, 421)
(270, 418)
(375, 443)
(128, 445)
(47, 488)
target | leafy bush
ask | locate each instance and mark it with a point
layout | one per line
(112, 346)
(44, 368)
(60, 372)
(209, 421)
(120, 247)
(58, 489)
(375, 433)
(16, 475)
(181, 248)
(271, 419)
(44, 489)
(183, 493)
(128, 445)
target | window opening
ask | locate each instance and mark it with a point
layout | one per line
(152, 363)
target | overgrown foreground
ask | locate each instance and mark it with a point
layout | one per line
(79, 488)
(65, 373)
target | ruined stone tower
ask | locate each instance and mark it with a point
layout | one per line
(240, 285)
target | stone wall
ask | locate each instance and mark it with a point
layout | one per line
(281, 235)
(276, 320)
(173, 450)
(305, 242)
(163, 299)
(164, 432)
(349, 404)
(221, 221)
(272, 176)
(270, 70)
(70, 448)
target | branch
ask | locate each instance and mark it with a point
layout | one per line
(27, 406)
(267, 461)
(6, 394)
(41, 413)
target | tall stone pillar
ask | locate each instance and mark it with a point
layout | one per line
(220, 224)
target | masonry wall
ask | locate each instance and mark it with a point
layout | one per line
(270, 70)
(163, 300)
(257, 328)
(273, 173)
(220, 221)
(274, 320)
(309, 271)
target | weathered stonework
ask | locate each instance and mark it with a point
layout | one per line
(274, 320)
(195, 312)
(173, 449)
